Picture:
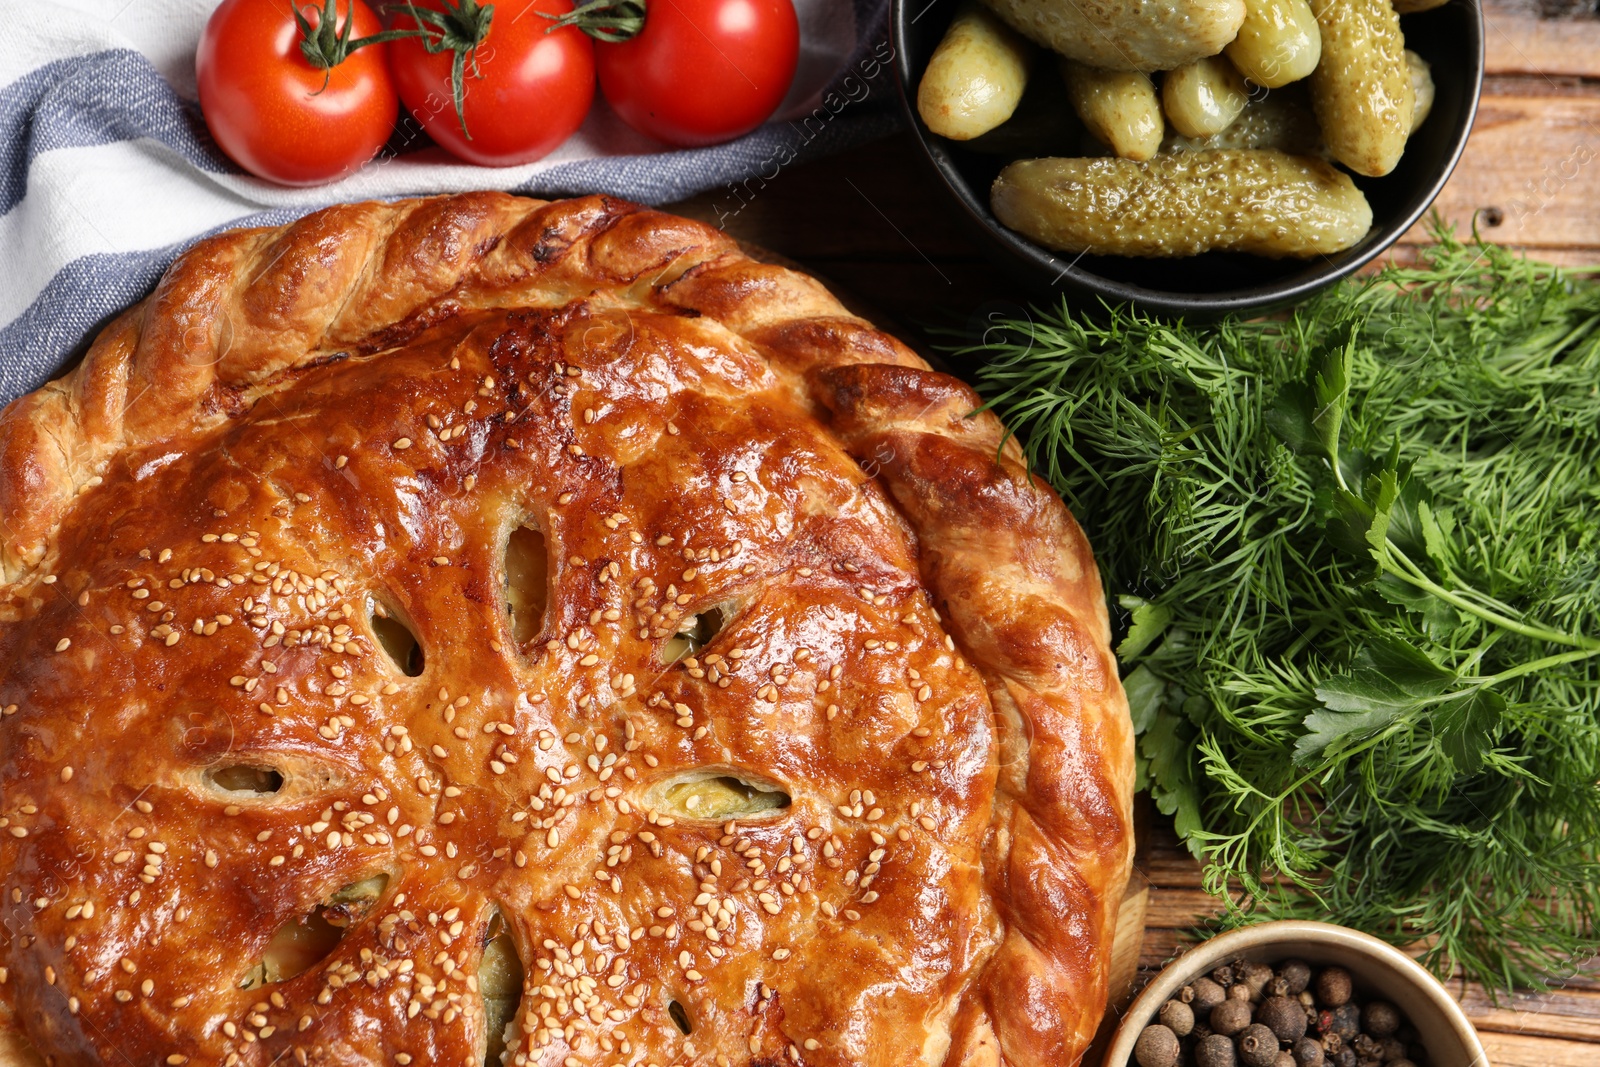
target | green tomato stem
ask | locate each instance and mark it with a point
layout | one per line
(610, 21)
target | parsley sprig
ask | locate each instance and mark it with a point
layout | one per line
(1358, 553)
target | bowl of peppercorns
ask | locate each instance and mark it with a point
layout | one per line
(1295, 994)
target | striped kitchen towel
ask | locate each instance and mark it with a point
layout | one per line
(107, 172)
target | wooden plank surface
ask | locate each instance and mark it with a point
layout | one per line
(874, 224)
(1521, 43)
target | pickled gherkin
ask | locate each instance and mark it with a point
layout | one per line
(1362, 88)
(1422, 89)
(1280, 119)
(1279, 42)
(1204, 97)
(1242, 200)
(1147, 35)
(976, 76)
(1120, 108)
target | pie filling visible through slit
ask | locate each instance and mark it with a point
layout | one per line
(483, 631)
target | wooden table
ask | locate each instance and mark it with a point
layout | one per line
(873, 223)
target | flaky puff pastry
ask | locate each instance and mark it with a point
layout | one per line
(549, 582)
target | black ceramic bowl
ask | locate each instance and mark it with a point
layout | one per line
(1450, 38)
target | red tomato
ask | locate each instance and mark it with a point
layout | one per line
(527, 89)
(266, 105)
(703, 71)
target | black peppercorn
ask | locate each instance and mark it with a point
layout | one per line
(1284, 1017)
(1345, 1057)
(1207, 995)
(1347, 1021)
(1157, 1047)
(1177, 1016)
(1380, 1018)
(1307, 1053)
(1229, 1017)
(1215, 1051)
(1392, 1049)
(1297, 973)
(1333, 987)
(1257, 1045)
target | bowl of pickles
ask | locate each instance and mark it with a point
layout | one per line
(1194, 157)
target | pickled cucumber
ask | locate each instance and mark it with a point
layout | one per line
(1281, 119)
(1246, 200)
(1203, 97)
(1120, 108)
(1361, 89)
(976, 76)
(1145, 35)
(1278, 43)
(1421, 88)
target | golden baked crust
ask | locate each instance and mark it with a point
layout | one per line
(203, 739)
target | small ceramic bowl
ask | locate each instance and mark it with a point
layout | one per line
(1379, 970)
(1450, 38)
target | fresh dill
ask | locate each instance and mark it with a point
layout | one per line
(1358, 553)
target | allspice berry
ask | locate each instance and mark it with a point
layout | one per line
(1157, 1047)
(1240, 991)
(1333, 987)
(1283, 1017)
(1258, 1046)
(1380, 1018)
(1254, 975)
(1207, 995)
(1231, 1016)
(1215, 1051)
(1296, 974)
(1347, 1021)
(1178, 1017)
(1223, 976)
(1283, 1060)
(1307, 1052)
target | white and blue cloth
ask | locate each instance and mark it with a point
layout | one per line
(107, 172)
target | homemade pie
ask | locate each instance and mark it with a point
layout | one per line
(479, 629)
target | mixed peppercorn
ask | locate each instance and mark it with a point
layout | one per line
(1248, 1014)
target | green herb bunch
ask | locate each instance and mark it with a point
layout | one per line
(1359, 552)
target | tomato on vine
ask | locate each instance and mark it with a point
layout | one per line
(693, 72)
(296, 97)
(493, 84)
